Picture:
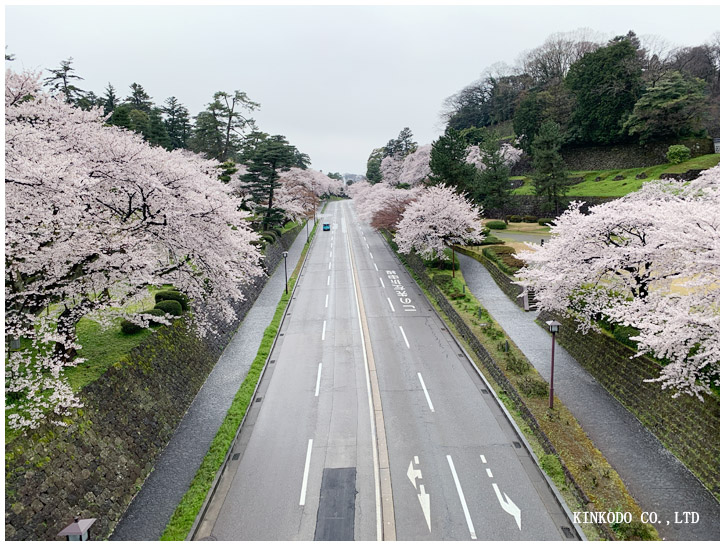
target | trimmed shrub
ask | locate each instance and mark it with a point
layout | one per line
(678, 154)
(155, 312)
(277, 231)
(272, 233)
(491, 240)
(485, 231)
(175, 295)
(515, 218)
(267, 238)
(172, 307)
(530, 219)
(546, 221)
(129, 328)
(532, 387)
(496, 224)
(503, 257)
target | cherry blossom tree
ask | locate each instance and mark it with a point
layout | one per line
(650, 260)
(439, 218)
(391, 167)
(93, 217)
(509, 153)
(416, 166)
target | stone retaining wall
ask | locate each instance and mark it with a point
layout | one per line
(94, 467)
(690, 429)
(684, 425)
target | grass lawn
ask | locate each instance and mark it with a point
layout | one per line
(608, 187)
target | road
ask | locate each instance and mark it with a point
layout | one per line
(371, 424)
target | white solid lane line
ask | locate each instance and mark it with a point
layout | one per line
(391, 305)
(319, 374)
(463, 499)
(303, 492)
(427, 397)
(404, 337)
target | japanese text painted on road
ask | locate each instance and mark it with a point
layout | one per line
(400, 291)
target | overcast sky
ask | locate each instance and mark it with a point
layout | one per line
(337, 81)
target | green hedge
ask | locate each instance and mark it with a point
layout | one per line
(172, 307)
(496, 224)
(175, 295)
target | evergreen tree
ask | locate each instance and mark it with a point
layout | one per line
(491, 187)
(110, 100)
(264, 161)
(139, 121)
(156, 134)
(448, 161)
(60, 80)
(139, 99)
(373, 173)
(672, 107)
(221, 127)
(401, 146)
(550, 176)
(607, 83)
(176, 122)
(121, 116)
(88, 101)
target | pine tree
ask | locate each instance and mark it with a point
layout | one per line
(110, 100)
(139, 99)
(156, 134)
(550, 174)
(491, 185)
(270, 155)
(176, 122)
(60, 80)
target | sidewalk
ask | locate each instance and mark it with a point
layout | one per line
(151, 509)
(655, 478)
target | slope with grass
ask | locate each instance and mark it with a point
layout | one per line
(607, 186)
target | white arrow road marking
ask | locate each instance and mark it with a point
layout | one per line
(427, 397)
(414, 474)
(463, 499)
(424, 499)
(508, 506)
(306, 473)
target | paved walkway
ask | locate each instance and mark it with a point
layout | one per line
(150, 511)
(657, 480)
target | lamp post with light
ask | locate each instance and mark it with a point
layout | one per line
(553, 328)
(285, 270)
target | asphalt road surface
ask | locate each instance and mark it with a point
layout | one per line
(371, 424)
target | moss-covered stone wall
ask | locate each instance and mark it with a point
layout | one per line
(95, 466)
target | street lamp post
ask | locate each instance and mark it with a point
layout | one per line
(285, 270)
(553, 328)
